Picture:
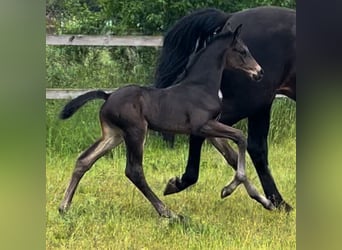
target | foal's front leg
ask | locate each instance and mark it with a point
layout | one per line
(231, 157)
(134, 139)
(214, 128)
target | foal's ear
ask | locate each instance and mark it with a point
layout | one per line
(237, 32)
(226, 27)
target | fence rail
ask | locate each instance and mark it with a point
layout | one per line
(86, 40)
(61, 94)
(55, 94)
(103, 41)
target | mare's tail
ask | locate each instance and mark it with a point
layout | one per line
(71, 107)
(182, 39)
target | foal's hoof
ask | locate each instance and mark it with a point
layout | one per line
(269, 205)
(168, 214)
(180, 219)
(172, 186)
(62, 210)
(177, 218)
(226, 191)
(283, 206)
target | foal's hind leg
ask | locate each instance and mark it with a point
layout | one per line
(216, 129)
(231, 157)
(109, 140)
(134, 139)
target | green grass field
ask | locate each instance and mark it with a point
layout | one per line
(108, 212)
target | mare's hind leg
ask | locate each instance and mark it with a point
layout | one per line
(216, 129)
(169, 138)
(231, 157)
(190, 176)
(134, 139)
(109, 140)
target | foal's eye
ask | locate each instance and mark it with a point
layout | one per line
(243, 52)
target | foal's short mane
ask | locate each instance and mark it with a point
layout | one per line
(196, 54)
(181, 39)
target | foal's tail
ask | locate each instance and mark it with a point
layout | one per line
(71, 107)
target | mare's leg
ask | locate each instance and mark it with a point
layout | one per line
(109, 140)
(216, 129)
(190, 175)
(231, 157)
(134, 139)
(288, 85)
(169, 138)
(258, 127)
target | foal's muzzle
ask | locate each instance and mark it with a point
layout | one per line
(258, 74)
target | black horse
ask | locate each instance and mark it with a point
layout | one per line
(129, 111)
(270, 34)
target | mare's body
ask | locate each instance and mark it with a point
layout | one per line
(270, 34)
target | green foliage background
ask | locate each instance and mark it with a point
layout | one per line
(146, 17)
(73, 66)
(110, 67)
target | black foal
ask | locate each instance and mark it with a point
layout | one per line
(192, 106)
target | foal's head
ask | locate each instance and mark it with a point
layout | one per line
(238, 56)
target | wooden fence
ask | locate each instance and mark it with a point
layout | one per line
(85, 40)
(68, 93)
(82, 40)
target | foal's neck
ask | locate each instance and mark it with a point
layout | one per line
(206, 71)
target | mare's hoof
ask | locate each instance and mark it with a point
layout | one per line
(172, 186)
(226, 191)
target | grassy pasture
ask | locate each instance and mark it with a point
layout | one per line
(108, 212)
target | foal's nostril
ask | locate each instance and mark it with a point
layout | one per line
(258, 76)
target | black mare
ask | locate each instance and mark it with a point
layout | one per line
(270, 34)
(129, 111)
